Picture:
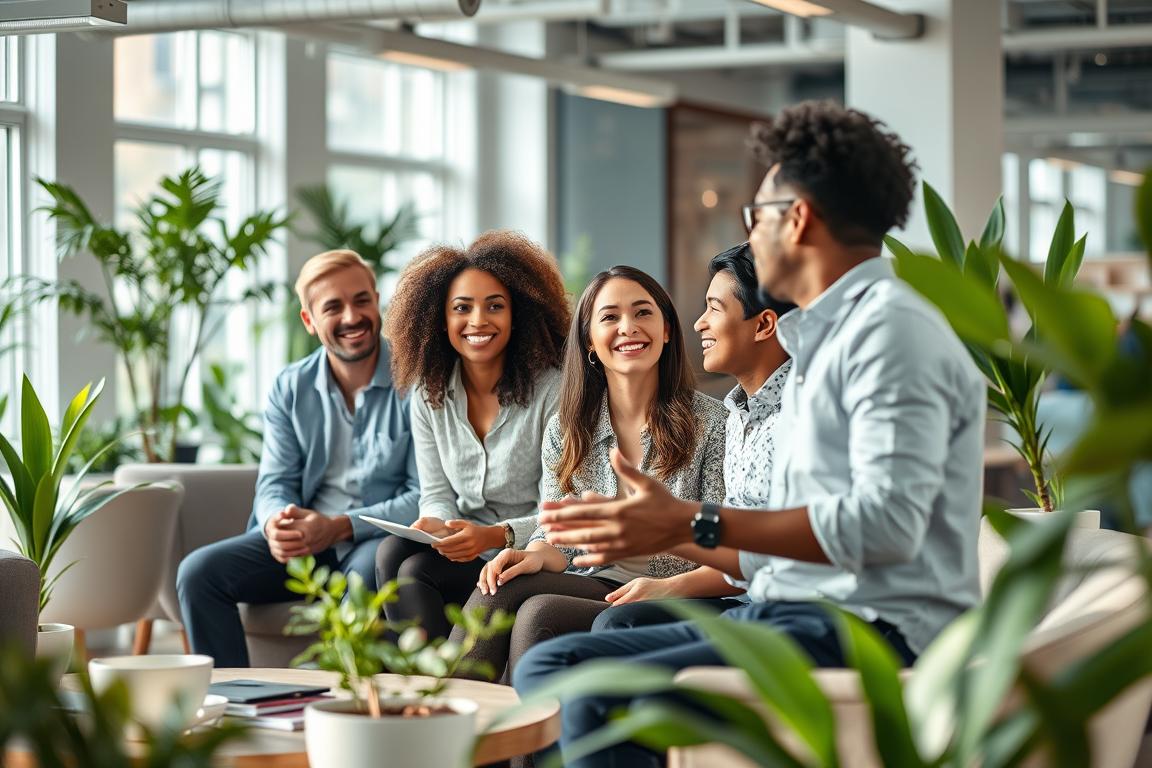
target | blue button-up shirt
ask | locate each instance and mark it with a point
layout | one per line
(884, 413)
(298, 425)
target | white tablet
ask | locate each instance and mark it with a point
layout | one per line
(403, 531)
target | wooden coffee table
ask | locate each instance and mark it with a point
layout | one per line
(527, 732)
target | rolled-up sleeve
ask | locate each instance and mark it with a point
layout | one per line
(898, 412)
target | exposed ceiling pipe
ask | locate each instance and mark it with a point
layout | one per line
(1079, 38)
(542, 10)
(168, 15)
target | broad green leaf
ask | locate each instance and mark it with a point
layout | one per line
(1066, 739)
(1072, 265)
(879, 670)
(1143, 213)
(993, 234)
(43, 512)
(659, 726)
(1076, 325)
(1011, 740)
(982, 263)
(24, 489)
(1017, 598)
(778, 671)
(930, 692)
(74, 408)
(972, 308)
(942, 225)
(36, 434)
(75, 428)
(1094, 681)
(1061, 246)
(1115, 438)
(898, 249)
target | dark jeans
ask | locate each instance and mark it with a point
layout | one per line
(674, 646)
(431, 581)
(212, 580)
(647, 613)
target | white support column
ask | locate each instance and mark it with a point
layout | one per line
(84, 139)
(513, 126)
(943, 94)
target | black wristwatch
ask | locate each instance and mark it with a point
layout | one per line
(706, 526)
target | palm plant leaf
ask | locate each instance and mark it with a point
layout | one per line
(1061, 246)
(35, 433)
(943, 227)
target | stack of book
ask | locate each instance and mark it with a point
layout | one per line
(262, 704)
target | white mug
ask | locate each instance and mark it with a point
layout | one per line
(158, 685)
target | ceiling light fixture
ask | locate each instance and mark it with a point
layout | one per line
(583, 80)
(882, 22)
(801, 8)
(420, 60)
(34, 16)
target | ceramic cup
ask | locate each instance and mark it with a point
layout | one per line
(164, 689)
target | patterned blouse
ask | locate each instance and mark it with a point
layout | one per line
(701, 480)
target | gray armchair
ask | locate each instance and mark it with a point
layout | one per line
(19, 598)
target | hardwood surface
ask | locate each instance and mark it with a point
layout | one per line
(526, 732)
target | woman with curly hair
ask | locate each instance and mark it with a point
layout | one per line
(477, 334)
(628, 387)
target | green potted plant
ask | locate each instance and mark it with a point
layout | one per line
(165, 277)
(415, 725)
(336, 228)
(41, 516)
(964, 282)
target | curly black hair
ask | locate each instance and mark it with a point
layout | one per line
(421, 352)
(856, 172)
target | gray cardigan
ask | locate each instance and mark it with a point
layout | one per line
(701, 480)
(491, 482)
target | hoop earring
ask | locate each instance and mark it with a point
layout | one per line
(592, 358)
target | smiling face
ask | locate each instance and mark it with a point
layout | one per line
(478, 316)
(728, 340)
(344, 313)
(627, 330)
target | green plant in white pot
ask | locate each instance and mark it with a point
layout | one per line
(415, 725)
(963, 282)
(42, 517)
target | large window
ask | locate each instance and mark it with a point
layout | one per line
(1051, 182)
(386, 142)
(183, 99)
(13, 119)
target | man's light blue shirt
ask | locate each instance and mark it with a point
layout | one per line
(884, 417)
(298, 425)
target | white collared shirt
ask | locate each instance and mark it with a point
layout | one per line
(884, 418)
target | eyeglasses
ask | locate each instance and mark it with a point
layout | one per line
(749, 211)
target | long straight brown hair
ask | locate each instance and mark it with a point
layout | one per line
(671, 420)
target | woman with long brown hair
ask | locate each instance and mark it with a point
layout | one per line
(477, 334)
(626, 384)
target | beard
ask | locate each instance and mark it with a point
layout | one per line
(768, 285)
(361, 354)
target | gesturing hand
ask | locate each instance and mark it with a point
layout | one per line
(506, 566)
(466, 540)
(650, 520)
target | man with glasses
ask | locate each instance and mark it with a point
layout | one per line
(874, 499)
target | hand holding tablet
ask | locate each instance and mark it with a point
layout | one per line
(403, 531)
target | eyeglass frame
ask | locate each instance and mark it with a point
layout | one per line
(747, 211)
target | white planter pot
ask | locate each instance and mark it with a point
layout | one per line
(1085, 518)
(56, 641)
(336, 737)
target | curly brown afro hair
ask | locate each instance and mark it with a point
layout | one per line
(856, 172)
(421, 352)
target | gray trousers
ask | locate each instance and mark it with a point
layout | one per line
(546, 605)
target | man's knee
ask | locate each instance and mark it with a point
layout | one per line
(197, 570)
(541, 661)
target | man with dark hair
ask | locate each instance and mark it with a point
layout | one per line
(874, 500)
(738, 336)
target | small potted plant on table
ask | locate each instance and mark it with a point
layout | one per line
(413, 727)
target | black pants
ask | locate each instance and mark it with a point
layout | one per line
(430, 581)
